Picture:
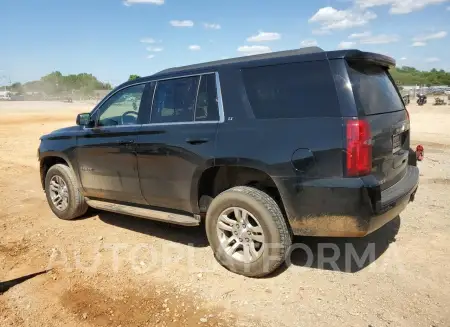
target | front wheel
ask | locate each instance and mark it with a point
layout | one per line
(63, 195)
(247, 231)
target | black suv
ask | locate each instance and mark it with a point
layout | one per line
(302, 142)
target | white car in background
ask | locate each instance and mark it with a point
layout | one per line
(5, 96)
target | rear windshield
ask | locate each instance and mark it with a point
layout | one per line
(295, 90)
(373, 90)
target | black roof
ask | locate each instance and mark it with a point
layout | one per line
(302, 54)
(244, 59)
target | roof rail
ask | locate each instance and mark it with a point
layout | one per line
(269, 55)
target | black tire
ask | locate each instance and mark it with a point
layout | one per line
(276, 232)
(77, 205)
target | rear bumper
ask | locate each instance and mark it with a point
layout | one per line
(395, 199)
(344, 207)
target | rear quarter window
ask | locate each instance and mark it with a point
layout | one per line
(294, 90)
(373, 89)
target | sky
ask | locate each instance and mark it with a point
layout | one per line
(115, 38)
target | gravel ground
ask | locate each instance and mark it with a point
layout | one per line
(114, 270)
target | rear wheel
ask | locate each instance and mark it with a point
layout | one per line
(247, 231)
(63, 196)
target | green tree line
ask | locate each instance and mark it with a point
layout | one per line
(411, 76)
(133, 77)
(56, 84)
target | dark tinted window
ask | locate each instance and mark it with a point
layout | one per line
(174, 100)
(373, 90)
(292, 90)
(207, 102)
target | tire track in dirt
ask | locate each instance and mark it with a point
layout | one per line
(433, 145)
(35, 120)
(7, 316)
(151, 306)
(14, 249)
(441, 181)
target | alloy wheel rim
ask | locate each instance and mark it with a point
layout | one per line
(240, 234)
(59, 193)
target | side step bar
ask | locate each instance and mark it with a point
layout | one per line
(145, 213)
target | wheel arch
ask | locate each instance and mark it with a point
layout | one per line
(217, 179)
(49, 159)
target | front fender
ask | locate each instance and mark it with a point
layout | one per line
(57, 150)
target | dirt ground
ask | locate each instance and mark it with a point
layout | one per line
(113, 270)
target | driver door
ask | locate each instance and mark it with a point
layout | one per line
(106, 153)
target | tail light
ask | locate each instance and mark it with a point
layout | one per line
(407, 114)
(359, 148)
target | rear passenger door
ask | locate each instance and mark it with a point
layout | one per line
(177, 144)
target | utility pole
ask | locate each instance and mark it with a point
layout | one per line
(5, 79)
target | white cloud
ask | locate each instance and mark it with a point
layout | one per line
(155, 49)
(194, 47)
(399, 6)
(254, 49)
(403, 58)
(320, 32)
(153, 2)
(426, 37)
(346, 44)
(309, 43)
(212, 26)
(359, 35)
(264, 36)
(150, 56)
(368, 38)
(331, 18)
(380, 39)
(182, 23)
(148, 40)
(373, 3)
(432, 59)
(418, 44)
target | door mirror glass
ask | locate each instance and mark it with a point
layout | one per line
(83, 119)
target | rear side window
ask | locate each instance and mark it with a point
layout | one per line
(174, 100)
(373, 90)
(207, 103)
(293, 90)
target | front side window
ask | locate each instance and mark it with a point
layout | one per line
(175, 100)
(122, 108)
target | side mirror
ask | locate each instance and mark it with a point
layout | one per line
(83, 119)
